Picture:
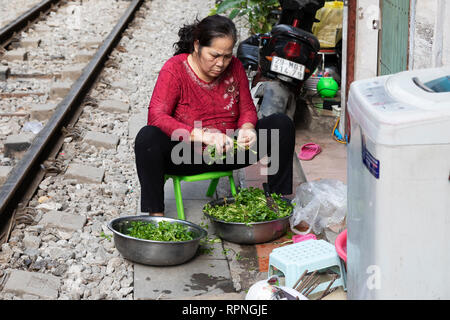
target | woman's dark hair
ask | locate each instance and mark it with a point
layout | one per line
(205, 32)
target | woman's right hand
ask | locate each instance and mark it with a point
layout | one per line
(221, 141)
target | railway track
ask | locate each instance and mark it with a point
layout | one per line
(25, 176)
(42, 160)
(23, 21)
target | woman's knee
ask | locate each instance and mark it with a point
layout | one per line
(282, 121)
(149, 135)
(278, 121)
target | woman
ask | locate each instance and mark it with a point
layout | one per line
(203, 92)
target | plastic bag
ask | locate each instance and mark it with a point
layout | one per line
(321, 204)
(329, 29)
(270, 290)
(32, 126)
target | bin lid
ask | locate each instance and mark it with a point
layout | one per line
(410, 107)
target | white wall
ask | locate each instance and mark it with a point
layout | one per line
(429, 36)
(366, 40)
(446, 29)
(423, 34)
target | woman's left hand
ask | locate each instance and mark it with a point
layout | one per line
(246, 137)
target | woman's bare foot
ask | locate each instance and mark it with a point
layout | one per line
(157, 214)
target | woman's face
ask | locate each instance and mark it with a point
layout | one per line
(213, 60)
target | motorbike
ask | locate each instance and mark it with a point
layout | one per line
(279, 62)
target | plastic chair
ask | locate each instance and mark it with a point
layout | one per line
(293, 260)
(214, 176)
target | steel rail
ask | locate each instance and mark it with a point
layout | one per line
(8, 31)
(19, 180)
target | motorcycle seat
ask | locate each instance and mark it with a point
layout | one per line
(248, 55)
(296, 33)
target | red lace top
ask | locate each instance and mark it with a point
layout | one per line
(180, 98)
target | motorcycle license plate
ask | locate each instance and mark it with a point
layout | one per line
(288, 68)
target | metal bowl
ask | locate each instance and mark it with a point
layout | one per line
(251, 233)
(156, 253)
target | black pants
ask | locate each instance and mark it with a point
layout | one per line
(153, 150)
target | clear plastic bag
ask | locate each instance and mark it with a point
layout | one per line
(32, 126)
(321, 204)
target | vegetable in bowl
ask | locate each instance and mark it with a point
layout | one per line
(162, 231)
(250, 205)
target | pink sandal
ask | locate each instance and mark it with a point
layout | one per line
(309, 151)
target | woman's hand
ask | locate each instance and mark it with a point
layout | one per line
(221, 141)
(246, 137)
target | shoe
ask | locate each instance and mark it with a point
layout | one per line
(309, 151)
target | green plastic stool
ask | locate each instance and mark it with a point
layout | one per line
(214, 176)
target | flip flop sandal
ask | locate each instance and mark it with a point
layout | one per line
(309, 151)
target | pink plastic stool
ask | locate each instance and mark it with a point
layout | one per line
(301, 237)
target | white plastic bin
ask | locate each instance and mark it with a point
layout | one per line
(398, 244)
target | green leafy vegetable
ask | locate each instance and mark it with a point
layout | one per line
(163, 231)
(214, 157)
(250, 206)
(106, 236)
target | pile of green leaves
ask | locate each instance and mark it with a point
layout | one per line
(250, 206)
(258, 12)
(163, 231)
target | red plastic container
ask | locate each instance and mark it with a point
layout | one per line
(341, 245)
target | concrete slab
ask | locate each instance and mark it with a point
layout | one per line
(85, 174)
(62, 220)
(84, 56)
(243, 263)
(42, 112)
(72, 72)
(15, 55)
(42, 29)
(192, 210)
(195, 190)
(223, 187)
(196, 277)
(60, 89)
(123, 85)
(114, 106)
(330, 163)
(91, 43)
(16, 145)
(4, 171)
(136, 123)
(224, 296)
(101, 140)
(42, 285)
(30, 42)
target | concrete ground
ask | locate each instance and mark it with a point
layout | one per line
(223, 270)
